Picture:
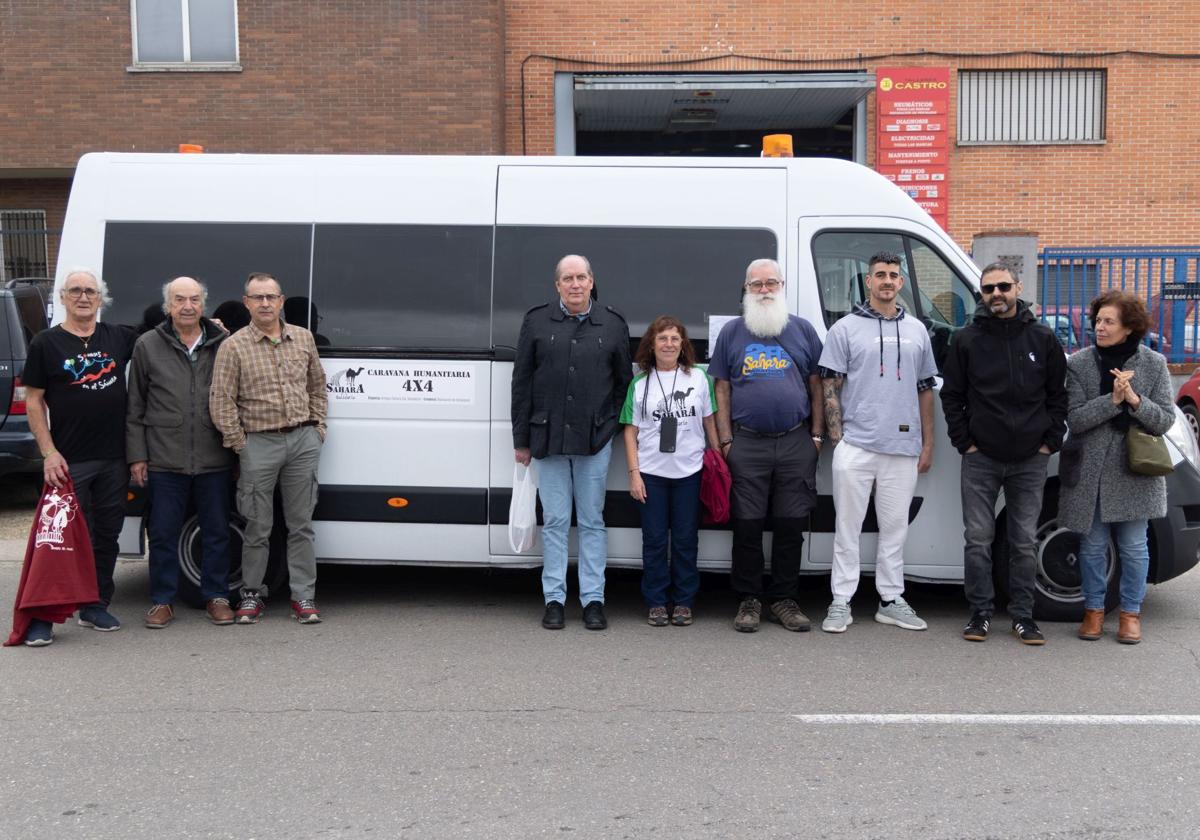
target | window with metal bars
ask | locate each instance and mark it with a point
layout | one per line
(1012, 107)
(23, 244)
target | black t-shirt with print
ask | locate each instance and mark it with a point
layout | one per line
(85, 388)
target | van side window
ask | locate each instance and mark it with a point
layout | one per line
(407, 287)
(139, 257)
(690, 273)
(934, 293)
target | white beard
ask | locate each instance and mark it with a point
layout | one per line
(765, 315)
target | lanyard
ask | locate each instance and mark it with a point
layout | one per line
(674, 379)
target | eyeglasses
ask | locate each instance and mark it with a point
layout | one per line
(77, 292)
(988, 288)
(759, 285)
(264, 298)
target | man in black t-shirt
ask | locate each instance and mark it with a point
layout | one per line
(75, 381)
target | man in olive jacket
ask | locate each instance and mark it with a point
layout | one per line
(569, 381)
(171, 443)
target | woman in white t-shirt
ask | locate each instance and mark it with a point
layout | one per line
(669, 416)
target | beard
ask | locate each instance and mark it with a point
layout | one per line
(765, 315)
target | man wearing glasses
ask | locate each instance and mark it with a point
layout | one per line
(569, 381)
(268, 401)
(74, 377)
(1005, 398)
(769, 421)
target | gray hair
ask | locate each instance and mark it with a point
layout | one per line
(761, 263)
(166, 307)
(558, 265)
(1000, 265)
(105, 300)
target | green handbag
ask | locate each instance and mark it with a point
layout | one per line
(1147, 453)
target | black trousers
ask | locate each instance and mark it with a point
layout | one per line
(775, 477)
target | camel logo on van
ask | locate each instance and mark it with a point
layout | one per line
(345, 381)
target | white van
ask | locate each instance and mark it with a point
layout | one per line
(419, 269)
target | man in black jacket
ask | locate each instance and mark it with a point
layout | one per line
(1005, 398)
(569, 381)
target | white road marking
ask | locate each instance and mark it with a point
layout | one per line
(998, 720)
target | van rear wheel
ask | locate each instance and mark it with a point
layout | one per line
(191, 554)
(1057, 575)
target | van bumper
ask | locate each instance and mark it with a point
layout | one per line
(1177, 535)
(19, 453)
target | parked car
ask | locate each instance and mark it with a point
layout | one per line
(1188, 399)
(22, 316)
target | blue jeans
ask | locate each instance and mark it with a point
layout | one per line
(561, 480)
(671, 515)
(1134, 551)
(169, 494)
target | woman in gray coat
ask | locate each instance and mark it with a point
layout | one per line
(1110, 387)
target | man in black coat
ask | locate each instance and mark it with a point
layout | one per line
(1005, 398)
(569, 381)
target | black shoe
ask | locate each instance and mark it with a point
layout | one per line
(553, 618)
(593, 616)
(977, 628)
(1027, 631)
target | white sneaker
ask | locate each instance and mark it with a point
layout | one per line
(900, 614)
(838, 618)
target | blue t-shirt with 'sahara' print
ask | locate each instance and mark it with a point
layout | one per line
(768, 377)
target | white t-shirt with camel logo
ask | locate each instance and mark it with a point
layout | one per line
(689, 397)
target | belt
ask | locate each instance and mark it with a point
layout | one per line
(753, 433)
(285, 429)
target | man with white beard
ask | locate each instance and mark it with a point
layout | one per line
(770, 420)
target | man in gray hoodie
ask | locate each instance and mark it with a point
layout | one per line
(878, 372)
(171, 444)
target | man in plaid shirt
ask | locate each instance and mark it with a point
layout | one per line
(268, 401)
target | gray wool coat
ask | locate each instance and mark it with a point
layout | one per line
(1124, 496)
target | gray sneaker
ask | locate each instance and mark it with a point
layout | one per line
(838, 618)
(748, 615)
(900, 614)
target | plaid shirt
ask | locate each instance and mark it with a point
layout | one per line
(260, 385)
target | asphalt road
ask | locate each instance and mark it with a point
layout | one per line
(431, 704)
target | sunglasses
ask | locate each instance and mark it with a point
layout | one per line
(988, 288)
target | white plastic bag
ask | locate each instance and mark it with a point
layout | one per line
(522, 513)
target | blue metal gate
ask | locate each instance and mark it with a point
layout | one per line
(1167, 279)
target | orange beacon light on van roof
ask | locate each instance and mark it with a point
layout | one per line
(777, 145)
(190, 149)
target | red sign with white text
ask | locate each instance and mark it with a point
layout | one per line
(912, 107)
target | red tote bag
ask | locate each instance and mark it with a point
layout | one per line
(59, 575)
(715, 483)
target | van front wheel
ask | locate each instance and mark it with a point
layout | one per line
(1057, 575)
(191, 554)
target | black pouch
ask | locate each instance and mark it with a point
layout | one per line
(668, 430)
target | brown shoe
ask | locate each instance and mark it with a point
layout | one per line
(160, 616)
(681, 616)
(1129, 631)
(748, 614)
(219, 611)
(658, 617)
(1093, 625)
(787, 612)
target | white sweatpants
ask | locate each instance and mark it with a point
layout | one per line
(894, 477)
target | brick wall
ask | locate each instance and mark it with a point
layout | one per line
(1141, 187)
(374, 77)
(49, 194)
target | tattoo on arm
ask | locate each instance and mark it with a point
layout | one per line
(832, 391)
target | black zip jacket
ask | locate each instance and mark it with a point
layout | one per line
(1004, 387)
(569, 380)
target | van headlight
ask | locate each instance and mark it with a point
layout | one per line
(1181, 437)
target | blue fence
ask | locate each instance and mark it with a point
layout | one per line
(1166, 279)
